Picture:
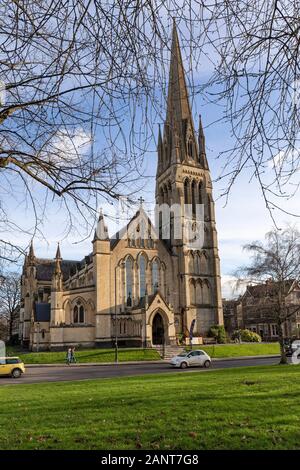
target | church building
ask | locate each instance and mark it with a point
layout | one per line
(146, 290)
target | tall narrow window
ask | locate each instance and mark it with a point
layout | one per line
(75, 314)
(186, 192)
(81, 314)
(160, 218)
(194, 198)
(129, 283)
(200, 198)
(142, 276)
(155, 274)
(78, 313)
(192, 292)
(190, 148)
(171, 225)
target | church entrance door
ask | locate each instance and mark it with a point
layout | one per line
(158, 331)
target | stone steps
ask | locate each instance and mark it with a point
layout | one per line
(167, 352)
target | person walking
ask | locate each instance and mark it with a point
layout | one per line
(73, 358)
(69, 356)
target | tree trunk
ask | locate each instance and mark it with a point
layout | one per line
(283, 357)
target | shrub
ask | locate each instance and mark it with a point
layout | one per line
(218, 332)
(247, 336)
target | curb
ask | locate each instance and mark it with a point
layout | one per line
(241, 358)
(162, 361)
(96, 364)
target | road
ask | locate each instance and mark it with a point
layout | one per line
(67, 373)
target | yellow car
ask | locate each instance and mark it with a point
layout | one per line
(12, 366)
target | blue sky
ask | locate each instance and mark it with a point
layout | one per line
(244, 218)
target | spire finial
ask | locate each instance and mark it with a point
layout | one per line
(201, 141)
(31, 255)
(101, 232)
(58, 255)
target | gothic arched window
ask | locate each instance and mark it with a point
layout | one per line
(142, 276)
(206, 292)
(200, 198)
(186, 192)
(129, 280)
(192, 292)
(155, 276)
(193, 198)
(81, 314)
(78, 313)
(75, 314)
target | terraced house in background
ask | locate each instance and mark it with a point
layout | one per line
(147, 290)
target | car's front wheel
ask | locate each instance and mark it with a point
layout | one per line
(207, 364)
(183, 365)
(16, 373)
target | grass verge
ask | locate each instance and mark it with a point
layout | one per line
(245, 349)
(90, 355)
(245, 408)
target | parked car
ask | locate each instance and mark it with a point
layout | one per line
(11, 366)
(291, 346)
(191, 358)
(295, 345)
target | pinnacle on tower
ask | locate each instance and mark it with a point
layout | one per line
(101, 232)
(57, 273)
(58, 255)
(201, 142)
(31, 255)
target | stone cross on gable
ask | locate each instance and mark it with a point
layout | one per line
(141, 201)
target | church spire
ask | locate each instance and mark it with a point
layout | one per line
(31, 255)
(201, 142)
(57, 273)
(179, 138)
(178, 107)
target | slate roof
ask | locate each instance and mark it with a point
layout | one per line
(267, 289)
(45, 268)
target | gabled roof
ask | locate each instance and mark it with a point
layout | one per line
(268, 289)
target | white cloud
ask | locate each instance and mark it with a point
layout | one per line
(284, 157)
(69, 146)
(230, 287)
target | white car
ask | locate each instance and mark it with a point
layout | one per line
(191, 358)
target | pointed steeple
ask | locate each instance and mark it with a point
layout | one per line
(178, 107)
(179, 139)
(58, 255)
(201, 142)
(57, 273)
(31, 255)
(101, 232)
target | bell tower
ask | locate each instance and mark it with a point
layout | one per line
(183, 183)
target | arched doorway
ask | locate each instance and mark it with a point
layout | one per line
(158, 331)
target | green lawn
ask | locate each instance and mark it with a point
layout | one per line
(90, 355)
(108, 355)
(245, 408)
(246, 349)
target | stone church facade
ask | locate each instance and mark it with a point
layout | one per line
(144, 289)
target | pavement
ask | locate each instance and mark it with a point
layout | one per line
(62, 373)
